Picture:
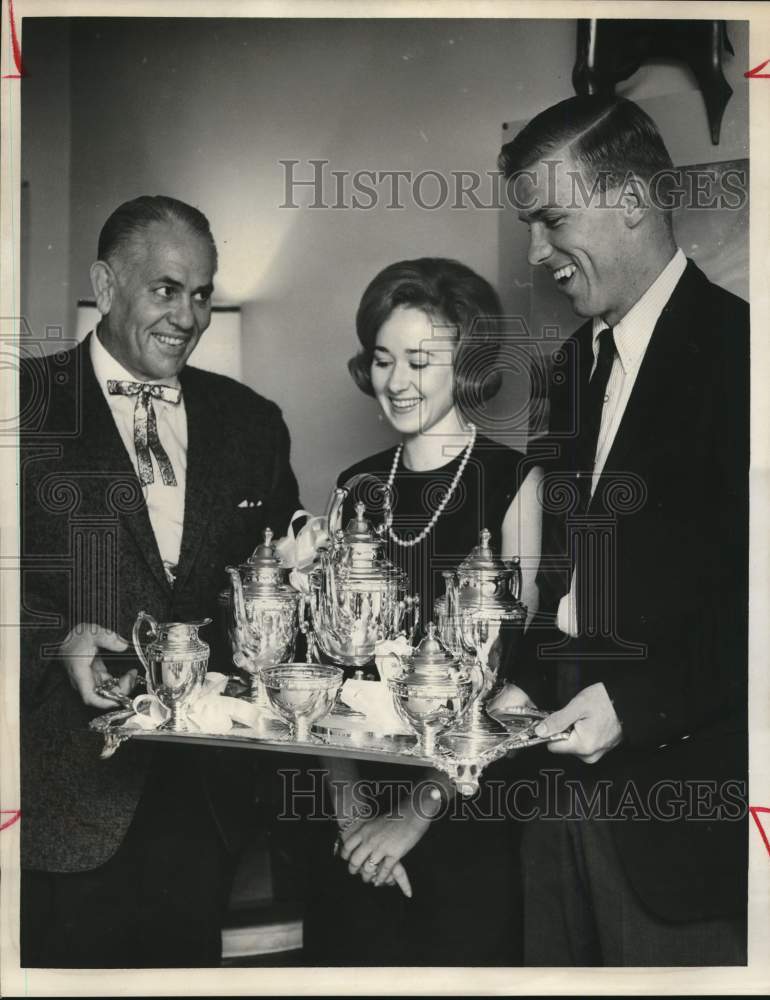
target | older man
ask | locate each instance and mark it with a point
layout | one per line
(644, 575)
(142, 477)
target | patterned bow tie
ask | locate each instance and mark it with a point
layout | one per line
(146, 438)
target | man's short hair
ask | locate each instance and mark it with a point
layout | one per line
(607, 137)
(132, 217)
(450, 293)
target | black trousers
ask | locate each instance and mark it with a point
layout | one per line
(581, 910)
(158, 902)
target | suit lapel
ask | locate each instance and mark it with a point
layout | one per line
(105, 452)
(660, 387)
(205, 445)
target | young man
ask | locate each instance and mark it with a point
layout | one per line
(642, 648)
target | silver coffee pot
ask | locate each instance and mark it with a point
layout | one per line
(357, 597)
(482, 603)
(264, 615)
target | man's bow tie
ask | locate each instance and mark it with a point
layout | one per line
(146, 438)
(168, 393)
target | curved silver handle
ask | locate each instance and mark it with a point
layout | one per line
(517, 583)
(152, 625)
(334, 510)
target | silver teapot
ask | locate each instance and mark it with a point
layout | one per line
(433, 691)
(482, 603)
(264, 615)
(175, 660)
(357, 597)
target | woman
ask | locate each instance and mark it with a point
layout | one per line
(430, 336)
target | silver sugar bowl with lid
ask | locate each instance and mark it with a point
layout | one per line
(357, 597)
(481, 614)
(433, 691)
(264, 614)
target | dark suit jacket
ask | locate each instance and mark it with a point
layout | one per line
(89, 555)
(675, 492)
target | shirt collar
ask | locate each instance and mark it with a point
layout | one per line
(107, 367)
(632, 334)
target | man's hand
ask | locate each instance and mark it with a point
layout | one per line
(596, 728)
(81, 655)
(510, 697)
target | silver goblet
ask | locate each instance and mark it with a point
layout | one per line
(302, 693)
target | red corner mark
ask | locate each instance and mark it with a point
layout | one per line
(15, 815)
(754, 810)
(16, 58)
(753, 74)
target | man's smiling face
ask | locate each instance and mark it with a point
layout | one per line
(157, 301)
(581, 240)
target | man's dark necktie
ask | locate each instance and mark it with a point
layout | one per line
(591, 415)
(146, 438)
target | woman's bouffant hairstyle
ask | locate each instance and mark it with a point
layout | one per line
(451, 294)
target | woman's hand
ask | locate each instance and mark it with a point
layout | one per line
(375, 848)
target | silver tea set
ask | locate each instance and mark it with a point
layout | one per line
(355, 599)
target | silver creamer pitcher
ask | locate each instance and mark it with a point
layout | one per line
(175, 660)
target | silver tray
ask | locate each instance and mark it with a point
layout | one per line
(338, 740)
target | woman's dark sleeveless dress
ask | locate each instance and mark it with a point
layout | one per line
(466, 907)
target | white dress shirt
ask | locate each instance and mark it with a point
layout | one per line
(632, 336)
(165, 504)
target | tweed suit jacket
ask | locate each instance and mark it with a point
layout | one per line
(88, 554)
(674, 491)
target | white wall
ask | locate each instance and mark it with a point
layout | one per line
(47, 300)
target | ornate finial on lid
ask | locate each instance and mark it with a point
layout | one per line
(430, 646)
(266, 551)
(358, 528)
(482, 557)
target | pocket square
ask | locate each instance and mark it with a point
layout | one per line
(250, 503)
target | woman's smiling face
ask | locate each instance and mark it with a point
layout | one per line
(413, 371)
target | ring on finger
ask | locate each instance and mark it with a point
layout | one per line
(371, 865)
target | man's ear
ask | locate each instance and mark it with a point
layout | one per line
(633, 201)
(103, 284)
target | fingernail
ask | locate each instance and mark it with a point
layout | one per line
(409, 893)
(541, 729)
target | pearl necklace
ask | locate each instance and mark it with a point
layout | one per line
(447, 496)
